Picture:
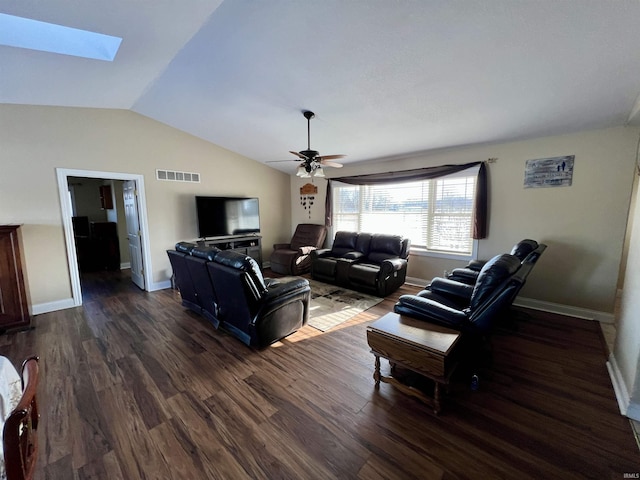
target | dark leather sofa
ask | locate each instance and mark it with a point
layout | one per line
(228, 289)
(372, 263)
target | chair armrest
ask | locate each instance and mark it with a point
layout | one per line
(430, 310)
(306, 250)
(281, 246)
(391, 265)
(355, 255)
(476, 265)
(464, 275)
(277, 287)
(447, 287)
(321, 252)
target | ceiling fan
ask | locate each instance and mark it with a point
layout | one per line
(311, 162)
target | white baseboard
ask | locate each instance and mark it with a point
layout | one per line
(125, 266)
(41, 308)
(633, 411)
(619, 387)
(567, 310)
(160, 285)
(419, 282)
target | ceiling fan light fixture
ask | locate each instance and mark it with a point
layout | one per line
(302, 172)
(318, 172)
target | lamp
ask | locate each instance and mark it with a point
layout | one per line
(318, 172)
(302, 172)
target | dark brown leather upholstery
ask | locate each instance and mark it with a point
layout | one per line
(373, 263)
(228, 289)
(469, 273)
(182, 277)
(472, 308)
(294, 258)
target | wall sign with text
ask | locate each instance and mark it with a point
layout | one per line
(549, 172)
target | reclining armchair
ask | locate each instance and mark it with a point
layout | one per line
(256, 310)
(196, 264)
(465, 307)
(182, 277)
(294, 258)
(469, 273)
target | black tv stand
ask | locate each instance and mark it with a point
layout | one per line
(250, 244)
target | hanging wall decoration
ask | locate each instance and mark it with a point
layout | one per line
(549, 172)
(308, 194)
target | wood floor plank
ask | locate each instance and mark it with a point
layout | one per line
(134, 386)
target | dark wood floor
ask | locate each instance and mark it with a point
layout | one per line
(134, 386)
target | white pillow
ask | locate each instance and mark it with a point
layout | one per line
(10, 394)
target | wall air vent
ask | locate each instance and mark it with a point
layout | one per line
(173, 176)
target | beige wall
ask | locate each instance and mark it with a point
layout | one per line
(36, 140)
(583, 225)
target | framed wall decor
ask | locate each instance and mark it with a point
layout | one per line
(549, 172)
(308, 194)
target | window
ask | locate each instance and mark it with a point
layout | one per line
(435, 214)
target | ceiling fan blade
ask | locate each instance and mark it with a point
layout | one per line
(326, 163)
(298, 154)
(331, 157)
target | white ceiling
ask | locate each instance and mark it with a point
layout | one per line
(383, 77)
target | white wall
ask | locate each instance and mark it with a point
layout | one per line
(583, 225)
(37, 140)
(625, 357)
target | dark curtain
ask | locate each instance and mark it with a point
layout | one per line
(481, 198)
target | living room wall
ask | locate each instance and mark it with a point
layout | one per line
(37, 140)
(583, 225)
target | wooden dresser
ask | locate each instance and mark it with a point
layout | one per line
(14, 310)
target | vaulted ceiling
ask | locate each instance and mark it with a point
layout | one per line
(384, 77)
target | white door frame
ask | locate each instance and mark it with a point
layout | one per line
(65, 206)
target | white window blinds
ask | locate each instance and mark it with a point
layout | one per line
(435, 214)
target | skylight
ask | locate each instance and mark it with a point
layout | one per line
(48, 37)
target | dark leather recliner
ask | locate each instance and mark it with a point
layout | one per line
(373, 263)
(469, 273)
(258, 311)
(182, 277)
(294, 258)
(197, 267)
(464, 307)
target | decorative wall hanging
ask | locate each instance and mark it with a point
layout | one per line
(549, 172)
(307, 196)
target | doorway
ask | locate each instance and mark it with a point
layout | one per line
(135, 217)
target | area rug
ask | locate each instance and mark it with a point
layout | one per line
(330, 305)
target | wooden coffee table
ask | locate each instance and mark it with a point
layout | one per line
(419, 346)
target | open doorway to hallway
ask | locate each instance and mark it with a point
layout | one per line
(100, 234)
(105, 224)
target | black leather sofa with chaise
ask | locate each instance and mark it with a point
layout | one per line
(371, 263)
(228, 289)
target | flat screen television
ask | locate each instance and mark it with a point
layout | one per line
(226, 216)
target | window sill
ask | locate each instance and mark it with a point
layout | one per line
(423, 252)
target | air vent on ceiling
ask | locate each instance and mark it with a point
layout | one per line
(173, 176)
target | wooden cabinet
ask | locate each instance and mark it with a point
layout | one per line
(106, 200)
(14, 310)
(250, 245)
